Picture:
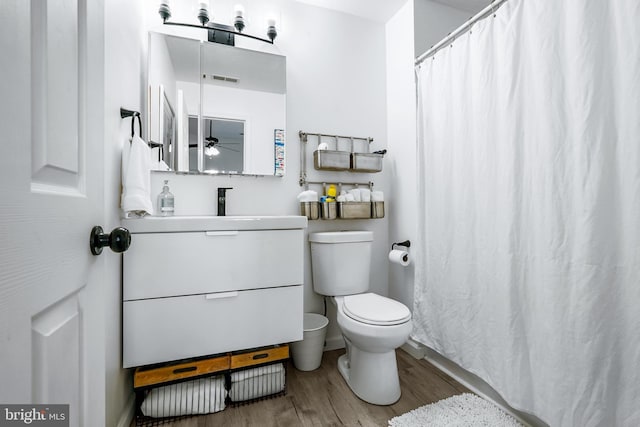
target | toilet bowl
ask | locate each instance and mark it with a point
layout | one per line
(370, 367)
(373, 326)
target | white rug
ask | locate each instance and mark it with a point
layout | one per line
(463, 410)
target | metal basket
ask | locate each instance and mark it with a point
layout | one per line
(354, 210)
(310, 209)
(332, 160)
(366, 162)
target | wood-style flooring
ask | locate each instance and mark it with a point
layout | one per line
(322, 398)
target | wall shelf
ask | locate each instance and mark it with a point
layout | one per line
(357, 159)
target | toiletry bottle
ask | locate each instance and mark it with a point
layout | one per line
(165, 201)
(331, 193)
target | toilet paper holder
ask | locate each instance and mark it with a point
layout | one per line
(406, 244)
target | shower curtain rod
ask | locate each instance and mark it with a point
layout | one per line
(460, 30)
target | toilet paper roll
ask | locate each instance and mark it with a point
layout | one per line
(397, 256)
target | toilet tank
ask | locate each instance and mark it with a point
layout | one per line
(340, 262)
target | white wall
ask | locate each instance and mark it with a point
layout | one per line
(336, 70)
(401, 129)
(339, 80)
(125, 47)
(433, 21)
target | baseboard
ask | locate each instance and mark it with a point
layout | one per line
(128, 412)
(333, 343)
(472, 382)
(415, 349)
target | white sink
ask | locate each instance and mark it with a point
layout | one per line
(172, 224)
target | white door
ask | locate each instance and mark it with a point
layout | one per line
(51, 194)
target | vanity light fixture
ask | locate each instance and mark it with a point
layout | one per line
(203, 12)
(238, 21)
(219, 33)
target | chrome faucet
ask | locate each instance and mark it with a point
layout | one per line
(222, 200)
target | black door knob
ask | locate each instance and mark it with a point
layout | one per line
(118, 240)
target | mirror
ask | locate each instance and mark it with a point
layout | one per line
(216, 109)
(173, 78)
(224, 152)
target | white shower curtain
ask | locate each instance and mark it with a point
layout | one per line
(528, 269)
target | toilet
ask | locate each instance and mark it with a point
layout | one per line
(373, 326)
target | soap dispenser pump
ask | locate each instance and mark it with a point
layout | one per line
(165, 201)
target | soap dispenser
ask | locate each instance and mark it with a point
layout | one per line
(165, 201)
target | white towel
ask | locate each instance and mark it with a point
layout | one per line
(203, 396)
(308, 196)
(349, 197)
(377, 196)
(136, 179)
(257, 382)
(157, 163)
(355, 192)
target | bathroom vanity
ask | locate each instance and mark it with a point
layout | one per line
(201, 285)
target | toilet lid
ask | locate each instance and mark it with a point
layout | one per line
(374, 309)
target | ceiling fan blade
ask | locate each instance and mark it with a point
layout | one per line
(231, 149)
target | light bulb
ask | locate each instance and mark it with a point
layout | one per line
(164, 9)
(203, 12)
(211, 151)
(238, 21)
(271, 28)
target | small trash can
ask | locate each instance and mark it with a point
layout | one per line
(307, 354)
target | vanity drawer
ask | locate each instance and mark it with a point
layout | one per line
(165, 329)
(171, 264)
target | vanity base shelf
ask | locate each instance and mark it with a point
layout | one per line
(181, 389)
(164, 374)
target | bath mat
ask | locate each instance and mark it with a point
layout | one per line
(463, 410)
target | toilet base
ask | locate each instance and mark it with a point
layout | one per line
(373, 377)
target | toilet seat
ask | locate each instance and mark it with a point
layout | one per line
(374, 309)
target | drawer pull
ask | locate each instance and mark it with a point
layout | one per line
(261, 356)
(221, 233)
(221, 295)
(186, 369)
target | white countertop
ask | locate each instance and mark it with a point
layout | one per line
(174, 224)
